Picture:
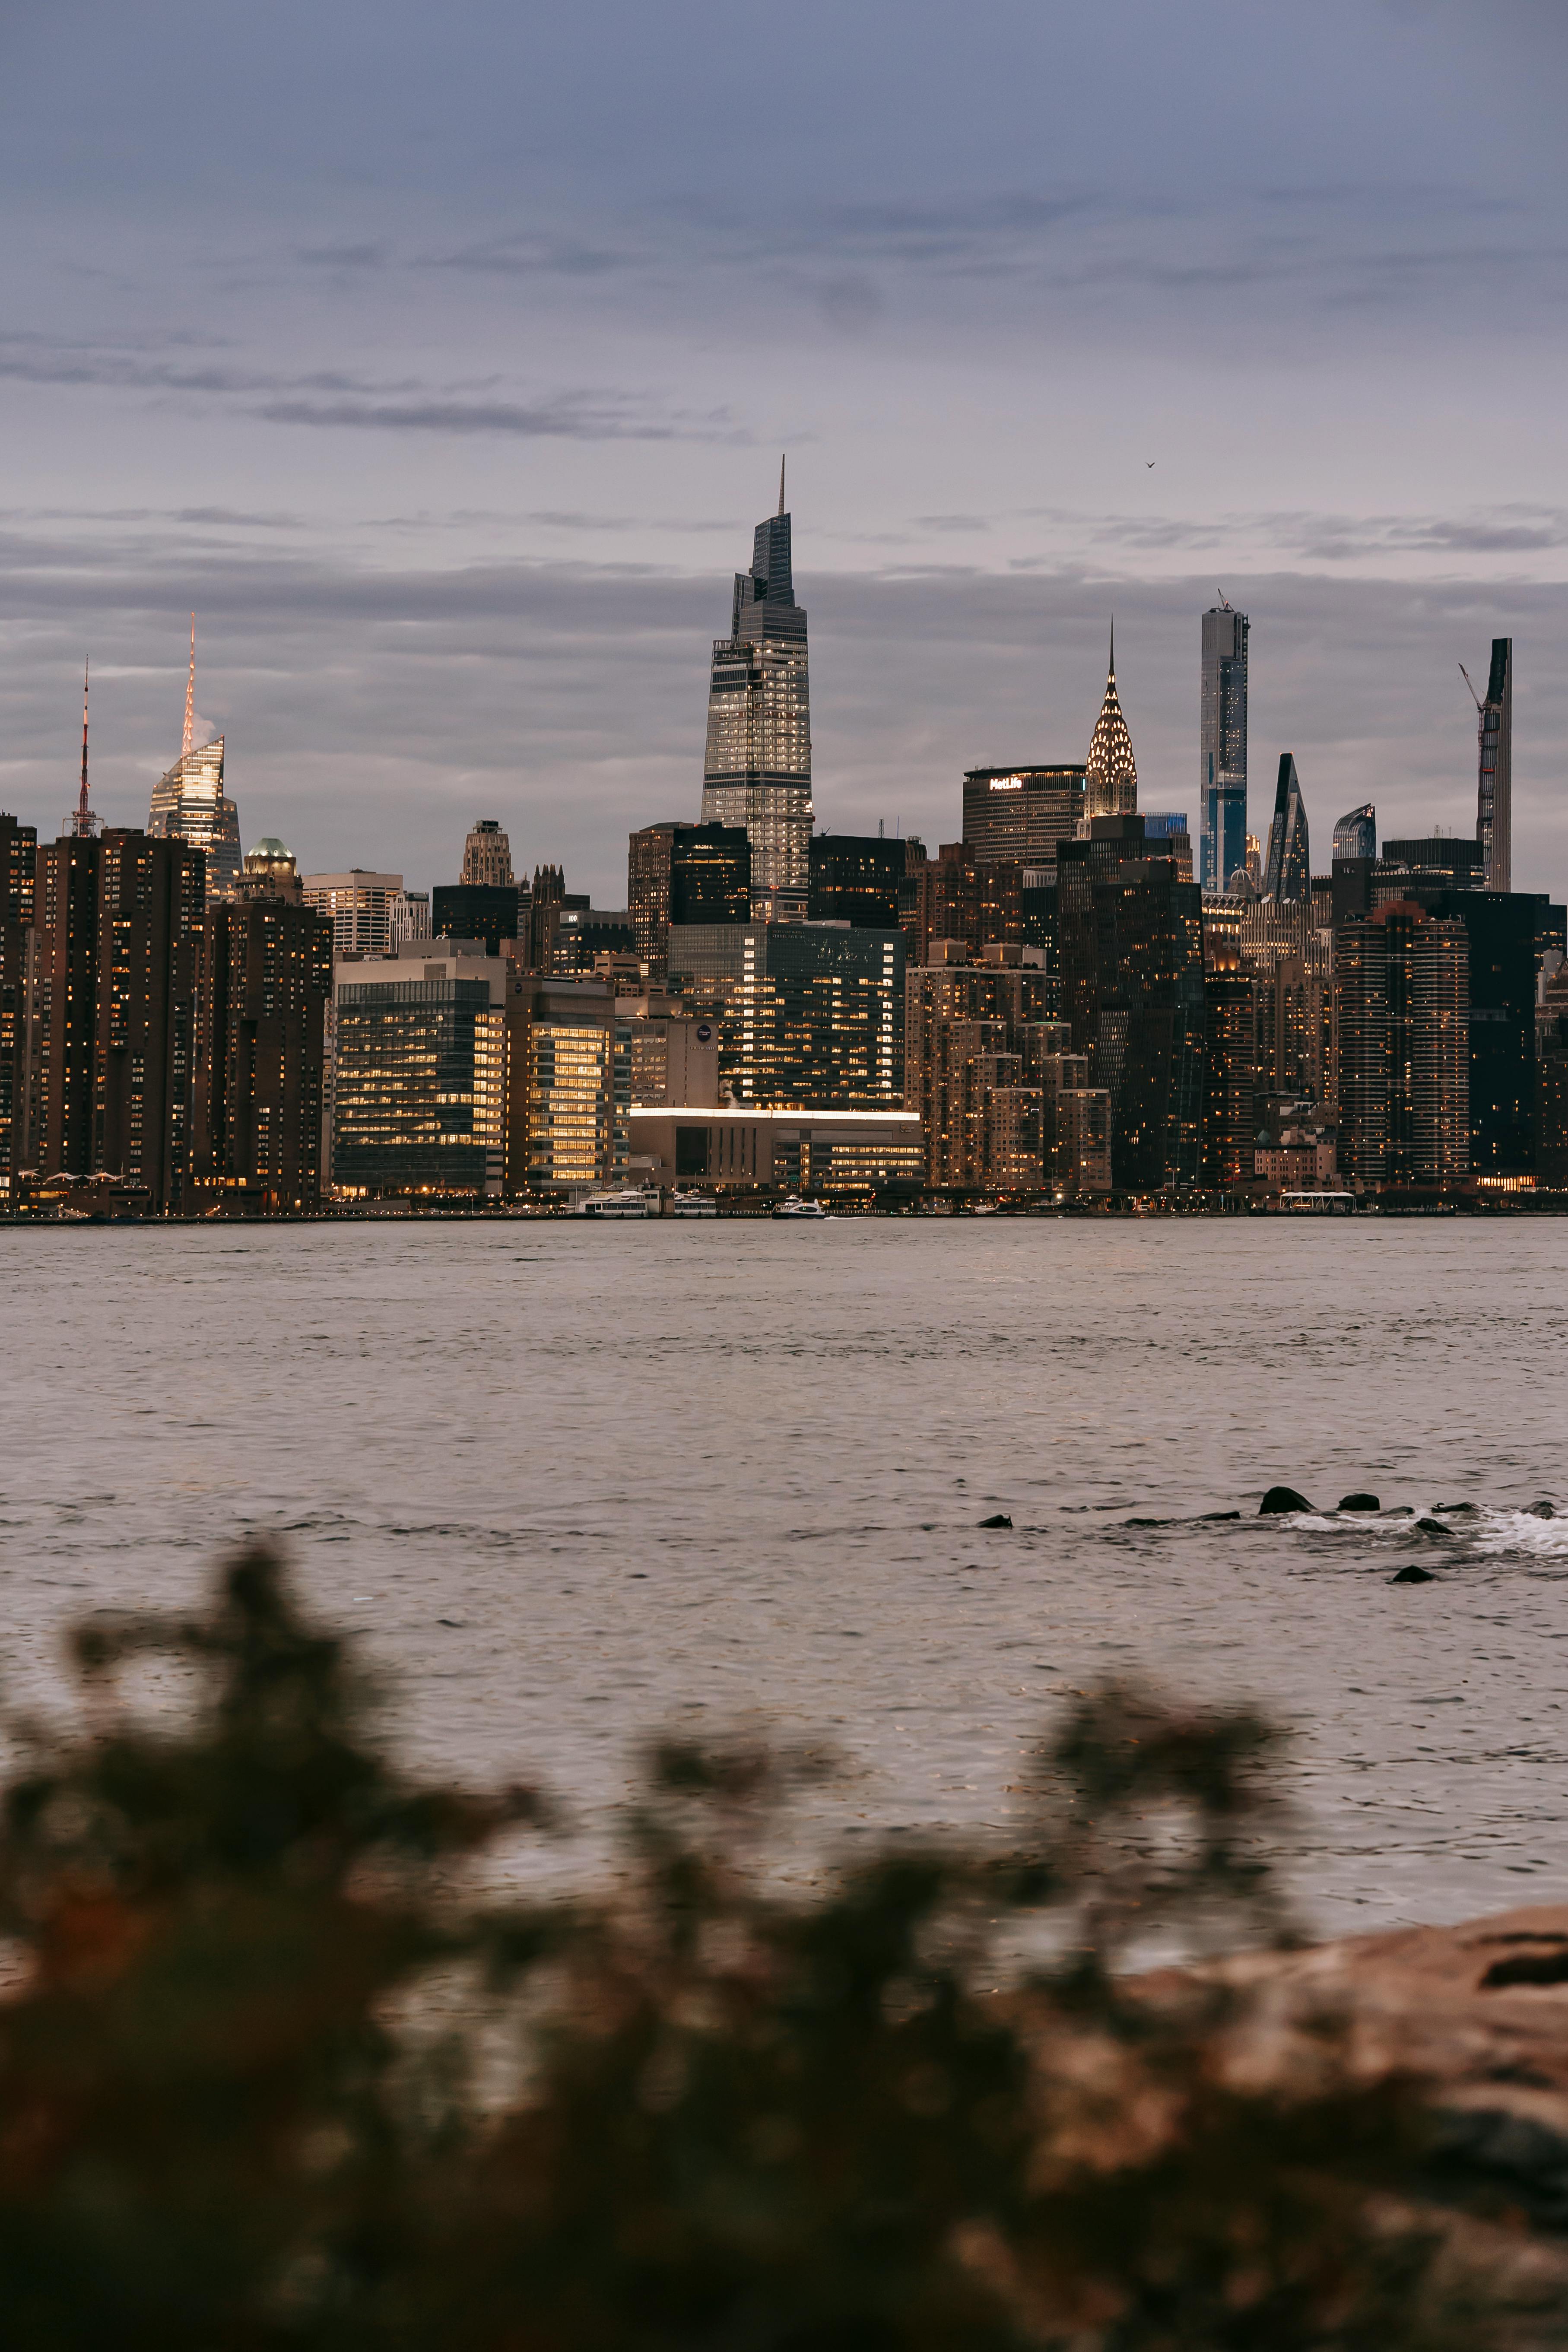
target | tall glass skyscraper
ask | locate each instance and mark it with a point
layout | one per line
(189, 804)
(1288, 871)
(1223, 743)
(756, 771)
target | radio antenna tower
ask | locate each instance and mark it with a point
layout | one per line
(84, 816)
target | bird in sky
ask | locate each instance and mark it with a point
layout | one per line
(1151, 463)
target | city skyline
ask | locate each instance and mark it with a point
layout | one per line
(445, 410)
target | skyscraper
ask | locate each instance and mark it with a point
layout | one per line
(1494, 791)
(120, 919)
(1020, 815)
(265, 974)
(756, 768)
(1222, 723)
(807, 1013)
(1400, 989)
(487, 857)
(1355, 835)
(1287, 867)
(1111, 786)
(189, 802)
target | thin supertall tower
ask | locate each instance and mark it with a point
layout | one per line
(1222, 731)
(191, 695)
(1494, 788)
(756, 768)
(83, 824)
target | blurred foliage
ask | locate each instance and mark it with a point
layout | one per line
(925, 2109)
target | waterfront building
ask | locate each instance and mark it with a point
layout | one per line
(1169, 826)
(1355, 835)
(1287, 867)
(1081, 1164)
(18, 854)
(1494, 788)
(741, 1147)
(119, 918)
(975, 1029)
(1499, 1008)
(1551, 1077)
(1230, 1047)
(806, 1013)
(756, 769)
(359, 904)
(1222, 733)
(1401, 988)
(419, 1081)
(568, 1086)
(1019, 815)
(1131, 946)
(856, 878)
(486, 911)
(487, 859)
(265, 976)
(1111, 777)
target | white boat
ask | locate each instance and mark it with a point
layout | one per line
(796, 1207)
(694, 1204)
(624, 1201)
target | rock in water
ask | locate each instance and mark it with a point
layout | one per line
(1435, 1528)
(997, 1519)
(1412, 1575)
(1541, 1511)
(1360, 1503)
(1203, 1517)
(1283, 1498)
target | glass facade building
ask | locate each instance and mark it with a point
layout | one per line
(1222, 738)
(856, 878)
(1288, 865)
(756, 767)
(807, 1013)
(189, 804)
(420, 1085)
(1355, 835)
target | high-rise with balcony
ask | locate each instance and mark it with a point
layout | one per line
(756, 768)
(1222, 725)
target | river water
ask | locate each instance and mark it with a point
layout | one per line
(571, 1483)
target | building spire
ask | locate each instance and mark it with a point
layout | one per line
(191, 694)
(781, 485)
(1112, 644)
(83, 812)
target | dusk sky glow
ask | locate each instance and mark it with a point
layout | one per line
(441, 359)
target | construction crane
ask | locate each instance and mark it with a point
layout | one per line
(1475, 698)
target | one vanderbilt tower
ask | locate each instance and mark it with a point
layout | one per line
(756, 772)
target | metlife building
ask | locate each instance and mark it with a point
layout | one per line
(1017, 815)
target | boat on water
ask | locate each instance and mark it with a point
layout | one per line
(694, 1204)
(622, 1201)
(796, 1207)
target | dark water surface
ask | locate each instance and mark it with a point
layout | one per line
(720, 1468)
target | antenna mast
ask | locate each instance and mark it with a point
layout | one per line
(781, 485)
(83, 812)
(190, 694)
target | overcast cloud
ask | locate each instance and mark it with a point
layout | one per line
(441, 357)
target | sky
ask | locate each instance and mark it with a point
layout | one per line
(441, 357)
